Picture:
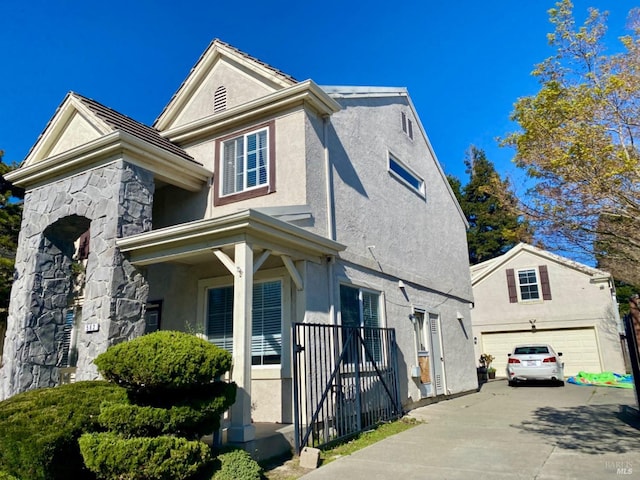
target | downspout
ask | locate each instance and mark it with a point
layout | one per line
(331, 233)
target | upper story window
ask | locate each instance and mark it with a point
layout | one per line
(220, 99)
(528, 284)
(245, 165)
(397, 169)
(407, 125)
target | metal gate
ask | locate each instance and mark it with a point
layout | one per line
(345, 381)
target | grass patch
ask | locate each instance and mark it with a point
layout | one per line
(289, 469)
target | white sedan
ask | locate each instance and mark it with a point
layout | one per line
(535, 362)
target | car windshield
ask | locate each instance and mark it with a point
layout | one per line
(530, 350)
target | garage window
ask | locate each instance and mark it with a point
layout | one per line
(528, 284)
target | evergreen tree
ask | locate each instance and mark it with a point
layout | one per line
(10, 218)
(488, 204)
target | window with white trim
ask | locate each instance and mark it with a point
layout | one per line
(266, 334)
(245, 164)
(361, 308)
(405, 175)
(528, 284)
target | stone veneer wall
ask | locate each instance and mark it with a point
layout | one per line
(117, 201)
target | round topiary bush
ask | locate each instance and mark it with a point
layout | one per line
(193, 420)
(113, 457)
(163, 360)
(39, 429)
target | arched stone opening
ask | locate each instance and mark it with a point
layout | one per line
(55, 301)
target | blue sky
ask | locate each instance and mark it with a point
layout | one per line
(464, 63)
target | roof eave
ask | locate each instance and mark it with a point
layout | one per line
(165, 166)
(307, 93)
(188, 239)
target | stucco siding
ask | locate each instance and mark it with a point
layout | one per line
(382, 219)
(241, 87)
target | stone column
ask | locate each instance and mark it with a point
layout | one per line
(115, 200)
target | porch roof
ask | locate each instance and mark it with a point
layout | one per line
(188, 242)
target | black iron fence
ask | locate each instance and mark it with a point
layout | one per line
(634, 355)
(345, 381)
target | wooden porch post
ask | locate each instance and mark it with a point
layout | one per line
(241, 429)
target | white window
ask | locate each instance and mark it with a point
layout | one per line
(528, 284)
(266, 335)
(245, 162)
(405, 175)
(245, 165)
(361, 308)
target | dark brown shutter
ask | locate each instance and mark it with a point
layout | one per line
(83, 247)
(544, 282)
(511, 285)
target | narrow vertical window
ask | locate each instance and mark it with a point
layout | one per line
(407, 125)
(220, 99)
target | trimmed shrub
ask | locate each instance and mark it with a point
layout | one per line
(237, 464)
(163, 360)
(190, 421)
(39, 429)
(113, 457)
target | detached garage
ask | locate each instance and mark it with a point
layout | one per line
(579, 347)
(529, 295)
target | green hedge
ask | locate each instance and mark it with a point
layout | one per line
(163, 360)
(235, 465)
(190, 421)
(39, 429)
(113, 457)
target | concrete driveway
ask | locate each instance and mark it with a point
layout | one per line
(527, 432)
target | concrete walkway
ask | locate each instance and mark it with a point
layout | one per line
(527, 432)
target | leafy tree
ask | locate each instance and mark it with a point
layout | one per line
(578, 143)
(488, 203)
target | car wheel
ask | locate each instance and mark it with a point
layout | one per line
(513, 383)
(560, 383)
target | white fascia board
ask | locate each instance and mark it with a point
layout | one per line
(165, 165)
(341, 91)
(306, 92)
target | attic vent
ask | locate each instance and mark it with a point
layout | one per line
(220, 99)
(407, 125)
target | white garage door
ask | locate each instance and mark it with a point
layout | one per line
(578, 346)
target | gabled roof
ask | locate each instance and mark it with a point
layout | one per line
(484, 269)
(217, 49)
(102, 119)
(84, 133)
(122, 122)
